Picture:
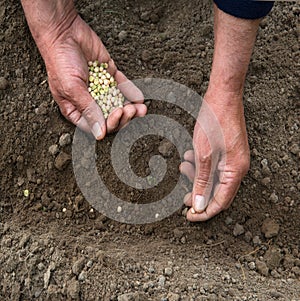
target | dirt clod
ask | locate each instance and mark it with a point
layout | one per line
(73, 289)
(288, 261)
(273, 197)
(131, 297)
(294, 149)
(78, 266)
(65, 139)
(166, 148)
(173, 297)
(53, 149)
(146, 55)
(270, 228)
(273, 258)
(3, 83)
(62, 161)
(262, 267)
(238, 230)
(168, 271)
(122, 35)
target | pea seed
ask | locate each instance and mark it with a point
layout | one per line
(103, 88)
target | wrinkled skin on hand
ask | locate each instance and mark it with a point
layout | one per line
(229, 160)
(66, 62)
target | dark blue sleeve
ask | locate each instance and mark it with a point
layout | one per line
(246, 9)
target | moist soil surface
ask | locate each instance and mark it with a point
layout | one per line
(55, 246)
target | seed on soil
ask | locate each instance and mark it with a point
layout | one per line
(119, 209)
(184, 211)
(103, 88)
(26, 193)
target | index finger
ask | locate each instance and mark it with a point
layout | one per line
(131, 92)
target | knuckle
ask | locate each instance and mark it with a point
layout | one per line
(205, 158)
(64, 111)
(219, 206)
(201, 182)
(130, 110)
(245, 165)
(68, 89)
(83, 107)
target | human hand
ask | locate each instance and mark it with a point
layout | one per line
(221, 157)
(220, 151)
(66, 63)
(66, 44)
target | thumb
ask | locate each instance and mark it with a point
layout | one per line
(91, 114)
(204, 180)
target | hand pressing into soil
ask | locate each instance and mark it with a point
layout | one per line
(220, 158)
(66, 44)
(222, 108)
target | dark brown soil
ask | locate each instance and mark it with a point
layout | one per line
(47, 253)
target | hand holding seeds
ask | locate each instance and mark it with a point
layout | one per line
(66, 46)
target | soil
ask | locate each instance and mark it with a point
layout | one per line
(54, 247)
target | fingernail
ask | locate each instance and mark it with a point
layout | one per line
(96, 130)
(199, 203)
(193, 211)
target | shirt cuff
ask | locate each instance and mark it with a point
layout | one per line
(245, 9)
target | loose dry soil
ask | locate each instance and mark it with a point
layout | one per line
(249, 252)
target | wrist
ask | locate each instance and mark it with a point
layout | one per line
(224, 101)
(48, 20)
(224, 94)
(234, 42)
(228, 81)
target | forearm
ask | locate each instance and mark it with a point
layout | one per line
(234, 42)
(48, 19)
